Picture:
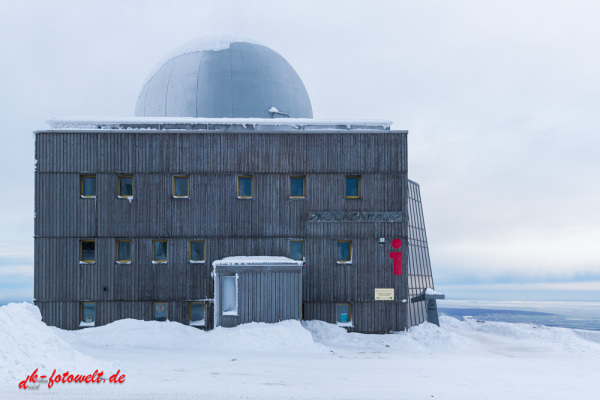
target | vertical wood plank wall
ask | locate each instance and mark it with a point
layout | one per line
(265, 294)
(213, 213)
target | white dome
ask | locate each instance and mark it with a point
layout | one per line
(224, 77)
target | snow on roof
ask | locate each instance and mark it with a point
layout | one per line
(434, 294)
(189, 123)
(256, 260)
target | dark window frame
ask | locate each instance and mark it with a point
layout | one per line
(349, 261)
(303, 177)
(346, 186)
(290, 248)
(81, 242)
(119, 187)
(81, 192)
(117, 250)
(187, 178)
(350, 321)
(81, 311)
(154, 303)
(251, 177)
(203, 251)
(166, 251)
(203, 311)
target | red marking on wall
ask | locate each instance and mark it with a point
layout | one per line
(396, 243)
(397, 257)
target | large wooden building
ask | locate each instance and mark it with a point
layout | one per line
(222, 202)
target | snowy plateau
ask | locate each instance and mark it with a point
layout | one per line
(293, 360)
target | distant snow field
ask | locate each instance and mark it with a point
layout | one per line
(293, 360)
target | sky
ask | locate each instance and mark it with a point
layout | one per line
(500, 99)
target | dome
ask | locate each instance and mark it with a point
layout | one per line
(224, 77)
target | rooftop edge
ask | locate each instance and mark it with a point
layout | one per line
(210, 124)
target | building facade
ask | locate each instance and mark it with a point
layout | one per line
(134, 216)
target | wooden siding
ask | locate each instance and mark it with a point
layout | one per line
(264, 294)
(230, 226)
(221, 152)
(66, 314)
(367, 316)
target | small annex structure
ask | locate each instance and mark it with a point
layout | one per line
(257, 289)
(223, 201)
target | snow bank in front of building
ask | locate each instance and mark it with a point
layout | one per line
(133, 334)
(284, 336)
(256, 336)
(26, 343)
(424, 337)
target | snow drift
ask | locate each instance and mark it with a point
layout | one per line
(293, 360)
(26, 343)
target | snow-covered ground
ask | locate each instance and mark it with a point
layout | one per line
(293, 360)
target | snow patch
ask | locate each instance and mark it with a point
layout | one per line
(424, 337)
(432, 292)
(26, 343)
(192, 123)
(528, 335)
(256, 260)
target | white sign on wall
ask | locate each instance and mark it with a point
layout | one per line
(384, 294)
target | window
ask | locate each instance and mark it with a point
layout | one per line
(245, 189)
(159, 251)
(87, 314)
(88, 186)
(87, 251)
(160, 311)
(123, 251)
(229, 295)
(343, 314)
(197, 312)
(125, 186)
(181, 187)
(297, 187)
(353, 187)
(197, 251)
(344, 251)
(297, 250)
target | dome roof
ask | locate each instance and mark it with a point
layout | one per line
(224, 78)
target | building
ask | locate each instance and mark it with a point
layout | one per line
(139, 217)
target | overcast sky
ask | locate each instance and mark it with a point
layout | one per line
(501, 100)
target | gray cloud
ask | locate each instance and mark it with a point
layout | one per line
(500, 99)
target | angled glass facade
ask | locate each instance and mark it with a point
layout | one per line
(419, 265)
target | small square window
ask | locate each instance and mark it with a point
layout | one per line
(197, 251)
(87, 251)
(297, 250)
(181, 186)
(197, 313)
(159, 251)
(125, 186)
(343, 314)
(88, 314)
(344, 251)
(160, 311)
(245, 189)
(353, 187)
(88, 186)
(297, 187)
(124, 251)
